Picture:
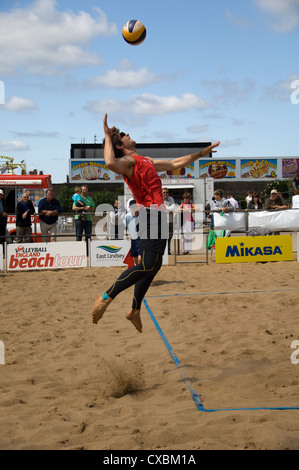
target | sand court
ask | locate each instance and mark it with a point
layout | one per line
(69, 384)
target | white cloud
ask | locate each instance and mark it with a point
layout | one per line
(39, 134)
(20, 105)
(149, 104)
(243, 23)
(124, 75)
(285, 13)
(279, 91)
(13, 146)
(40, 39)
(197, 129)
(228, 90)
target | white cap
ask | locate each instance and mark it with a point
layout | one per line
(1, 191)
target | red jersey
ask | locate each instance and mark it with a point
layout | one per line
(145, 183)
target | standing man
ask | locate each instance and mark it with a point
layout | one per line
(233, 201)
(48, 209)
(296, 181)
(170, 207)
(3, 218)
(117, 221)
(84, 224)
(24, 211)
(140, 173)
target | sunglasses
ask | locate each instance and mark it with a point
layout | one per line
(121, 135)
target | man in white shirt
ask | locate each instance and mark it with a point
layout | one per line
(295, 199)
(233, 202)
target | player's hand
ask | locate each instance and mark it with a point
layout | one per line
(210, 149)
(107, 130)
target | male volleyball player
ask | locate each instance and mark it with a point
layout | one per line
(140, 173)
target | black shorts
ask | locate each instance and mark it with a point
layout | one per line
(152, 229)
(135, 248)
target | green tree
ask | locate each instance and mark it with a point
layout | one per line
(107, 197)
(284, 187)
(65, 199)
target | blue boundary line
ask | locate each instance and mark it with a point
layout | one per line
(194, 394)
(224, 293)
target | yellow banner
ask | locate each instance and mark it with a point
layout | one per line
(253, 249)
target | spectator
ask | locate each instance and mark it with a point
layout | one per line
(170, 207)
(233, 202)
(84, 225)
(131, 224)
(78, 201)
(117, 220)
(256, 202)
(48, 209)
(219, 203)
(295, 199)
(3, 217)
(23, 220)
(296, 181)
(188, 209)
(248, 198)
(275, 202)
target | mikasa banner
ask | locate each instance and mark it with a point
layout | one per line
(253, 249)
(55, 255)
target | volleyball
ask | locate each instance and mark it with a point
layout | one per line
(134, 32)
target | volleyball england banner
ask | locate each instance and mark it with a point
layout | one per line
(54, 255)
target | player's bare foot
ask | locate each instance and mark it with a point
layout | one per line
(99, 307)
(134, 316)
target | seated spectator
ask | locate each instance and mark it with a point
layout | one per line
(255, 203)
(295, 199)
(275, 202)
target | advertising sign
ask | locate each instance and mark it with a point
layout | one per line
(185, 172)
(30, 256)
(109, 252)
(217, 169)
(112, 253)
(91, 171)
(259, 168)
(254, 249)
(290, 166)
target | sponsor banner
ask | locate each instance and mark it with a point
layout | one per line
(254, 249)
(217, 169)
(55, 255)
(112, 253)
(259, 168)
(109, 252)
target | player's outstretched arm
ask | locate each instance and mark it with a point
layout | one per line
(180, 162)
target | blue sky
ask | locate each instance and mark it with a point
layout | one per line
(207, 71)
